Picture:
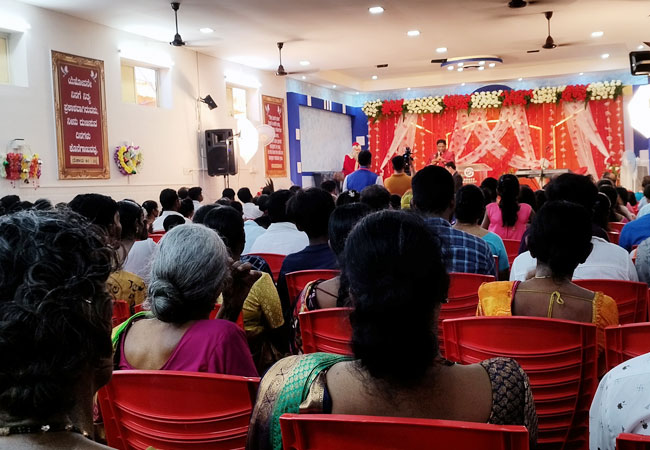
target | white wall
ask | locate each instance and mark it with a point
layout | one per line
(168, 135)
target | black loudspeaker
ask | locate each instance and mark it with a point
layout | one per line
(640, 63)
(220, 152)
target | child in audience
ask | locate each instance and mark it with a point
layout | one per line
(397, 284)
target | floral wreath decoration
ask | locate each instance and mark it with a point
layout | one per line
(128, 159)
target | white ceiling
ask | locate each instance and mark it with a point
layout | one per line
(345, 43)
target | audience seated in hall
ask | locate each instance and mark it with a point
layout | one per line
(102, 211)
(642, 263)
(55, 338)
(182, 193)
(151, 208)
(363, 176)
(469, 214)
(255, 228)
(251, 211)
(376, 197)
(635, 232)
(136, 249)
(508, 218)
(332, 293)
(196, 195)
(396, 370)
(560, 239)
(170, 204)
(399, 182)
(311, 209)
(282, 237)
(606, 260)
(433, 196)
(620, 404)
(229, 194)
(189, 271)
(347, 197)
(643, 203)
(187, 208)
(262, 311)
(614, 202)
(172, 222)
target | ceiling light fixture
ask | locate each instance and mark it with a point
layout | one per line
(413, 33)
(357, 92)
(333, 86)
(640, 47)
(376, 10)
(441, 50)
(304, 63)
(450, 68)
(408, 89)
(581, 73)
(481, 67)
(304, 77)
(206, 30)
(462, 84)
(597, 34)
(520, 79)
(460, 64)
(481, 63)
(605, 55)
(492, 64)
(460, 69)
(374, 77)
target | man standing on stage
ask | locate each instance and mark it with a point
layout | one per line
(443, 155)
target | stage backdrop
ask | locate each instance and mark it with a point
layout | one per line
(507, 132)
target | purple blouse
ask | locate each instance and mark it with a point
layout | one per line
(212, 346)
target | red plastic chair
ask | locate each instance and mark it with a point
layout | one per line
(512, 249)
(624, 441)
(326, 330)
(176, 410)
(121, 312)
(616, 226)
(462, 299)
(631, 297)
(274, 261)
(296, 281)
(336, 431)
(624, 342)
(559, 356)
(613, 236)
(156, 236)
(240, 319)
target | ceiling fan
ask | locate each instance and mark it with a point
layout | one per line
(178, 40)
(550, 44)
(281, 72)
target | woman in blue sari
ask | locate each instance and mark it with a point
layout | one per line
(397, 284)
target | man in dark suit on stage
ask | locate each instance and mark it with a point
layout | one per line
(458, 178)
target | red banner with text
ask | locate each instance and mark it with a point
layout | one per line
(275, 161)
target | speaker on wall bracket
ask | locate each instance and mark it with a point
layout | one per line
(220, 152)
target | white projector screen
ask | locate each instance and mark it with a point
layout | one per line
(325, 138)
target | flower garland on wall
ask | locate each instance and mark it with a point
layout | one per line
(128, 159)
(607, 90)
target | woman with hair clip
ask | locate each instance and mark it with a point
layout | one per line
(508, 218)
(397, 284)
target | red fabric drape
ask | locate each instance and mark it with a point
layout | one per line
(548, 131)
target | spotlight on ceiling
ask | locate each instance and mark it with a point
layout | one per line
(376, 10)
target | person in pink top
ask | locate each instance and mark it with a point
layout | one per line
(508, 218)
(189, 271)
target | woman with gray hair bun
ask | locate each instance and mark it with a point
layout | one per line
(190, 270)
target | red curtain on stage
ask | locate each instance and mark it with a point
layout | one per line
(549, 129)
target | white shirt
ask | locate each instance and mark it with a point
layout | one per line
(607, 261)
(251, 211)
(197, 205)
(621, 404)
(252, 231)
(158, 223)
(281, 238)
(139, 259)
(379, 181)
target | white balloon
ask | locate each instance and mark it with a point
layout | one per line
(266, 134)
